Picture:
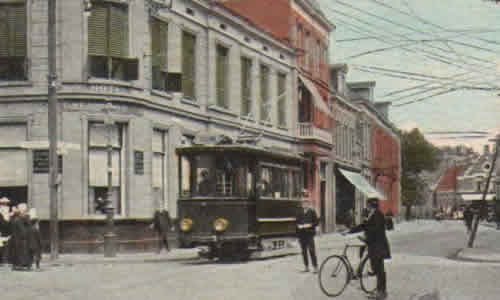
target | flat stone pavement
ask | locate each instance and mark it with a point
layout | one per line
(485, 249)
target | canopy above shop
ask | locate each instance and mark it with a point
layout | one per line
(477, 197)
(362, 184)
(316, 97)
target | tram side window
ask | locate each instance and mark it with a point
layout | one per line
(264, 185)
(185, 177)
(296, 184)
(204, 176)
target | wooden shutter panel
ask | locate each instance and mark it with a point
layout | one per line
(118, 30)
(97, 31)
(18, 24)
(245, 85)
(264, 109)
(221, 70)
(4, 31)
(281, 99)
(188, 57)
(159, 38)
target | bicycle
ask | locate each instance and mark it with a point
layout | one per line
(336, 272)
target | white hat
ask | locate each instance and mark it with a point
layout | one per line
(4, 200)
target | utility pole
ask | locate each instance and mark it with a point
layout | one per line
(52, 127)
(483, 201)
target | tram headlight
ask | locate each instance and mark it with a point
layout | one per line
(186, 224)
(220, 224)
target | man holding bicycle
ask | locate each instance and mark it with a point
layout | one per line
(378, 245)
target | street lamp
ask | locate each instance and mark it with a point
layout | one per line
(109, 236)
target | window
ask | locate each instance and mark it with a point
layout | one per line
(159, 167)
(221, 76)
(188, 65)
(14, 162)
(282, 99)
(246, 86)
(99, 137)
(108, 42)
(264, 93)
(159, 38)
(12, 41)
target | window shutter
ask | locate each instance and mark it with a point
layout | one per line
(264, 110)
(97, 31)
(188, 57)
(281, 99)
(118, 30)
(14, 166)
(221, 72)
(4, 31)
(245, 85)
(159, 38)
(18, 24)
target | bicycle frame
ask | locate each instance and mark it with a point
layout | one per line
(352, 274)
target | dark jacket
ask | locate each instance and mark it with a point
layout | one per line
(19, 242)
(376, 240)
(468, 216)
(308, 218)
(35, 240)
(161, 221)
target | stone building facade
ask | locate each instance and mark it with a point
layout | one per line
(170, 69)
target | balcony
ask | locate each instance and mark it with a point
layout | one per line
(309, 131)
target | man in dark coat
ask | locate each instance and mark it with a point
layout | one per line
(307, 221)
(378, 245)
(35, 239)
(468, 216)
(4, 229)
(497, 212)
(21, 258)
(161, 223)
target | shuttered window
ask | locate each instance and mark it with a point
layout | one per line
(98, 163)
(246, 86)
(264, 93)
(12, 41)
(221, 75)
(159, 38)
(282, 99)
(188, 64)
(108, 42)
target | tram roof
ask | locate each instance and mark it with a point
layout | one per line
(242, 148)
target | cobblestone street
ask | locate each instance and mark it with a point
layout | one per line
(412, 272)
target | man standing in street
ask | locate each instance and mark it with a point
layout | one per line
(468, 215)
(307, 221)
(378, 245)
(161, 223)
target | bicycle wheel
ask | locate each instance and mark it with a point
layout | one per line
(367, 277)
(333, 275)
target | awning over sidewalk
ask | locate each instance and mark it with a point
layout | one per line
(317, 99)
(362, 184)
(477, 197)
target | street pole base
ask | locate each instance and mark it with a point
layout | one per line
(109, 244)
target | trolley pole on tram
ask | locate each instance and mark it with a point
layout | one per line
(52, 128)
(483, 201)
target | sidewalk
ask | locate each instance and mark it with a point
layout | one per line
(121, 258)
(486, 249)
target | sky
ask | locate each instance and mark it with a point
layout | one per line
(438, 62)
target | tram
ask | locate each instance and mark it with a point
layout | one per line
(238, 200)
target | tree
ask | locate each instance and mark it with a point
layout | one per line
(417, 155)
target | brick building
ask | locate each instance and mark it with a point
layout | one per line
(170, 69)
(302, 25)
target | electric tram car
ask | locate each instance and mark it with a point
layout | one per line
(238, 200)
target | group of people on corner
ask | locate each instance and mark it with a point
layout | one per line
(374, 226)
(20, 239)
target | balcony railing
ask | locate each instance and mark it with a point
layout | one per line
(309, 131)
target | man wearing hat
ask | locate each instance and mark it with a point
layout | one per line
(378, 245)
(307, 221)
(4, 228)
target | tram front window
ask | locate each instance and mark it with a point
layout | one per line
(216, 176)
